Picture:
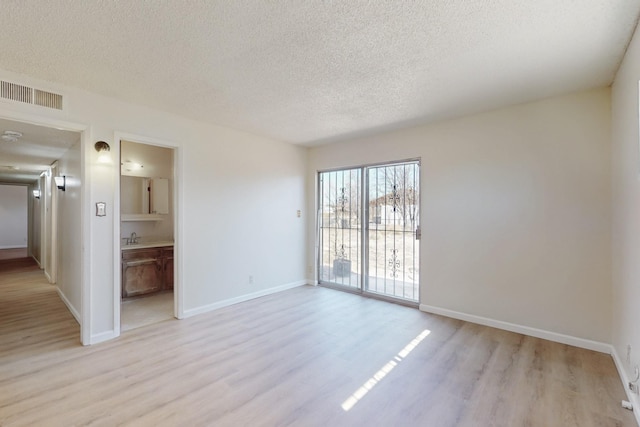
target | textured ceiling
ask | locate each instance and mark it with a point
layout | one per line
(314, 71)
(23, 161)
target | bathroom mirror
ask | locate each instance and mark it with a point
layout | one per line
(134, 195)
(141, 195)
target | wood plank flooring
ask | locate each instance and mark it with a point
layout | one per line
(305, 357)
(146, 310)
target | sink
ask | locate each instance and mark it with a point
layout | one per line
(143, 245)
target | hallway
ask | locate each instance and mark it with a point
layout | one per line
(32, 315)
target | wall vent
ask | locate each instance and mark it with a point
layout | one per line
(47, 99)
(29, 95)
(16, 92)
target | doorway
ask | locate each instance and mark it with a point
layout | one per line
(33, 154)
(369, 230)
(147, 224)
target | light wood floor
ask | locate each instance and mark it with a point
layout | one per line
(298, 358)
(145, 311)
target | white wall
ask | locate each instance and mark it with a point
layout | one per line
(626, 207)
(241, 197)
(515, 211)
(13, 216)
(35, 225)
(236, 209)
(69, 250)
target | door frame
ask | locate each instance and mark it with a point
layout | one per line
(178, 288)
(51, 267)
(364, 215)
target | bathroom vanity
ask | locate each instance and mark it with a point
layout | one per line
(147, 268)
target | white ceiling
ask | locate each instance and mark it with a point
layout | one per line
(315, 71)
(23, 161)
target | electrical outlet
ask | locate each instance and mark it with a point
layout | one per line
(251, 280)
(310, 269)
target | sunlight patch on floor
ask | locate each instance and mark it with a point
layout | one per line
(382, 372)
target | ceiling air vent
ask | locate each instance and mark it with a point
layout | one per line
(28, 95)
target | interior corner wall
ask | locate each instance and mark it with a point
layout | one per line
(626, 207)
(515, 211)
(13, 216)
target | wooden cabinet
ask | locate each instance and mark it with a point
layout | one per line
(167, 267)
(146, 271)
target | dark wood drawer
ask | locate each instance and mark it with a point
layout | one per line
(141, 253)
(146, 271)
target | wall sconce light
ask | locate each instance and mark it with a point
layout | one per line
(61, 182)
(103, 150)
(36, 194)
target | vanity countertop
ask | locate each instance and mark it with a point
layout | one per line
(144, 245)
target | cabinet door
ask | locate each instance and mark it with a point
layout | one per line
(160, 196)
(167, 256)
(141, 273)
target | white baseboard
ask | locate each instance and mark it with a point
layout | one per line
(68, 304)
(525, 330)
(102, 337)
(48, 276)
(13, 247)
(37, 262)
(633, 398)
(242, 298)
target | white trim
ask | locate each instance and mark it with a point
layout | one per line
(48, 277)
(633, 398)
(68, 304)
(52, 232)
(525, 330)
(86, 237)
(13, 247)
(102, 337)
(178, 232)
(35, 118)
(117, 242)
(242, 298)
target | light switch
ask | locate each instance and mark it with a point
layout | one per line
(101, 209)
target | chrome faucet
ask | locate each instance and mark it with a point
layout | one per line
(133, 239)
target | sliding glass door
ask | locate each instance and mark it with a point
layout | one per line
(369, 231)
(393, 231)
